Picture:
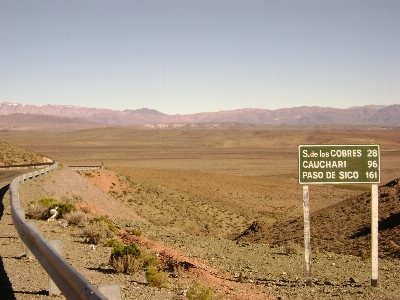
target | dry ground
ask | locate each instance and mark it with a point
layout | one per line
(212, 181)
(209, 181)
(12, 155)
(236, 270)
(215, 183)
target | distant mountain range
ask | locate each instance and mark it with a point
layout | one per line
(305, 115)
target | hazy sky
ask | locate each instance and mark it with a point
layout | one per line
(181, 57)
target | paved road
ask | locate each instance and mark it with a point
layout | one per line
(5, 178)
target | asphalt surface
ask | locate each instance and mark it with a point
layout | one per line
(5, 178)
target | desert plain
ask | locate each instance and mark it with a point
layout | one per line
(218, 180)
(251, 172)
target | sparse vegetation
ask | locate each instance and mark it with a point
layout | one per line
(125, 258)
(62, 209)
(111, 226)
(156, 277)
(88, 175)
(292, 248)
(77, 218)
(72, 199)
(136, 232)
(130, 259)
(40, 210)
(228, 194)
(36, 211)
(47, 201)
(13, 155)
(99, 230)
(200, 292)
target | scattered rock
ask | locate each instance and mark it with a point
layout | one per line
(354, 280)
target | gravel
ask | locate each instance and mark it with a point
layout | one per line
(246, 270)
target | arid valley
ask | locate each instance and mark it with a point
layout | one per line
(215, 182)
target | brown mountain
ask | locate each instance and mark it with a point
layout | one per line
(388, 115)
(351, 116)
(44, 123)
(251, 115)
(305, 115)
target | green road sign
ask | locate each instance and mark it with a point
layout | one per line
(324, 164)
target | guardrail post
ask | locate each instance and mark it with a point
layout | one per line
(53, 288)
(34, 225)
(111, 291)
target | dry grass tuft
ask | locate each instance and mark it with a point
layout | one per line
(36, 211)
(97, 232)
(292, 248)
(200, 292)
(77, 218)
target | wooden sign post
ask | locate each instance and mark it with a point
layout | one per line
(374, 234)
(336, 164)
(307, 234)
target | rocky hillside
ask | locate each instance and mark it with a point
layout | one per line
(342, 228)
(235, 270)
(13, 155)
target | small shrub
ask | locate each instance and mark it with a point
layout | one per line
(36, 211)
(111, 226)
(62, 209)
(73, 199)
(151, 260)
(200, 292)
(118, 264)
(112, 243)
(120, 249)
(47, 201)
(77, 218)
(136, 232)
(125, 258)
(156, 277)
(132, 264)
(97, 232)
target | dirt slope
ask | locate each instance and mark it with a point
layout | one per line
(236, 270)
(345, 227)
(10, 154)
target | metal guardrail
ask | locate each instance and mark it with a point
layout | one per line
(70, 282)
(26, 166)
(86, 168)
